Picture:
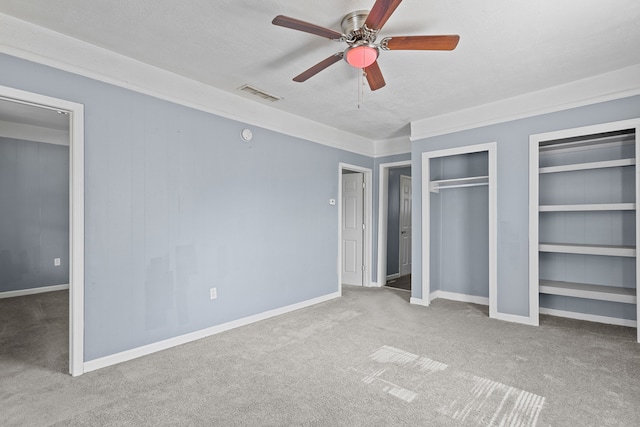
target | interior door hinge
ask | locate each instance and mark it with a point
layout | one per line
(363, 267)
(364, 225)
(364, 184)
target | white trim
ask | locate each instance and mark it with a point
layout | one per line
(383, 214)
(474, 300)
(34, 43)
(33, 291)
(491, 148)
(616, 84)
(367, 257)
(392, 147)
(454, 296)
(419, 301)
(145, 350)
(524, 320)
(534, 197)
(33, 133)
(589, 317)
(393, 276)
(637, 200)
(76, 213)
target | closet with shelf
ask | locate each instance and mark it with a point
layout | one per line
(459, 224)
(584, 225)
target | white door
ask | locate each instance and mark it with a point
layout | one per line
(352, 228)
(405, 225)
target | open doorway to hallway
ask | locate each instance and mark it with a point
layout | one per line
(395, 230)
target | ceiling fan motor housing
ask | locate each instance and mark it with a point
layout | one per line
(361, 51)
(354, 29)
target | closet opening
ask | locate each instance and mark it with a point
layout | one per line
(459, 225)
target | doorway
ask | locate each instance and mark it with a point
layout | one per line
(394, 218)
(354, 225)
(74, 115)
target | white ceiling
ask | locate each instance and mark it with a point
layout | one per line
(507, 48)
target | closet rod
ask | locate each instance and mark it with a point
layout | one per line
(445, 187)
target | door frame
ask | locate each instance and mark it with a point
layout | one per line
(367, 258)
(490, 148)
(383, 213)
(76, 213)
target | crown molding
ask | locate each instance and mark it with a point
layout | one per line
(393, 146)
(37, 44)
(604, 87)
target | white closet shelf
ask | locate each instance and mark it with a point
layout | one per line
(585, 290)
(588, 207)
(471, 181)
(588, 166)
(607, 250)
(588, 144)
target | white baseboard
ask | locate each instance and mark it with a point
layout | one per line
(393, 276)
(419, 301)
(589, 317)
(524, 320)
(32, 291)
(459, 297)
(145, 350)
(474, 300)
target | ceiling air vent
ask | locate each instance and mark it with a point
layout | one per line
(259, 93)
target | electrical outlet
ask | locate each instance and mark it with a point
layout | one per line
(56, 262)
(213, 293)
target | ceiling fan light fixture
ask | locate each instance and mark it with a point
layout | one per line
(361, 56)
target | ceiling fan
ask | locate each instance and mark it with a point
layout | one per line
(359, 31)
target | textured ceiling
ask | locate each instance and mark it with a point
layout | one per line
(507, 48)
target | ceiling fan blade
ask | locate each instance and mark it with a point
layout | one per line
(421, 42)
(296, 24)
(374, 76)
(380, 13)
(318, 67)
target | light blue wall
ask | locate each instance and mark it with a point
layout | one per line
(512, 184)
(176, 204)
(393, 219)
(34, 214)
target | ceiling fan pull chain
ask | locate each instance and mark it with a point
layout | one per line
(360, 86)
